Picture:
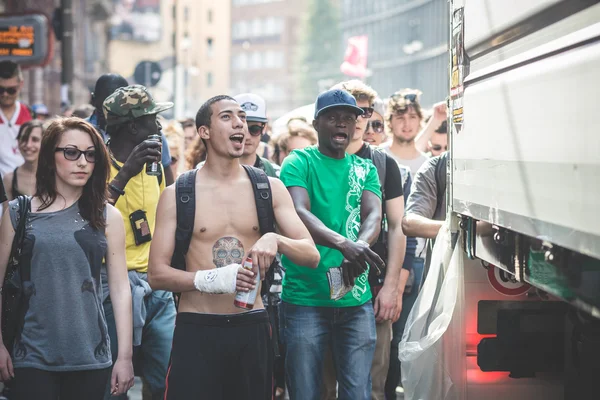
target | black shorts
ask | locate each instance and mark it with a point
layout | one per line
(221, 357)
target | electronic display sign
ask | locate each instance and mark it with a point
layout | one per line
(25, 38)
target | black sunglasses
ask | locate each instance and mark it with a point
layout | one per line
(10, 90)
(73, 154)
(412, 97)
(367, 112)
(256, 130)
(437, 147)
(376, 125)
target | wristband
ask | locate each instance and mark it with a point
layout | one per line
(217, 280)
(116, 189)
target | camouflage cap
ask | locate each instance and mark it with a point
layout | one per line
(131, 102)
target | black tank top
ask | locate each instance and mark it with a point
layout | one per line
(15, 190)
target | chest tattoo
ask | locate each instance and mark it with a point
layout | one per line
(227, 250)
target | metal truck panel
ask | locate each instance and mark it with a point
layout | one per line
(528, 156)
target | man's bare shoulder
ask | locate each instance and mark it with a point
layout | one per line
(167, 203)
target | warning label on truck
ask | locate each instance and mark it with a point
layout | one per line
(457, 69)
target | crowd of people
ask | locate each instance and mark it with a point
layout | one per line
(129, 233)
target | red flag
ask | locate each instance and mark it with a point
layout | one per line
(355, 59)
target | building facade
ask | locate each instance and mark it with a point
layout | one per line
(43, 84)
(200, 32)
(408, 44)
(264, 45)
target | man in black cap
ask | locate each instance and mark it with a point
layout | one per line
(105, 86)
(338, 197)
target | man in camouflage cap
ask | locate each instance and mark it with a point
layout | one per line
(130, 102)
(130, 114)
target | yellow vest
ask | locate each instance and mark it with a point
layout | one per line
(141, 193)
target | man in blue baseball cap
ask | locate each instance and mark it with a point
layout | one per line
(338, 197)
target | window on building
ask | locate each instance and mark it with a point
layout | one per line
(209, 47)
(255, 60)
(186, 13)
(209, 79)
(210, 16)
(256, 27)
(243, 29)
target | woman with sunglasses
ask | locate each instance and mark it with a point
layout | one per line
(62, 348)
(375, 130)
(22, 180)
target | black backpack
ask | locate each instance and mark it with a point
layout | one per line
(185, 192)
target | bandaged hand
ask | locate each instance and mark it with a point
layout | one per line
(228, 279)
(217, 280)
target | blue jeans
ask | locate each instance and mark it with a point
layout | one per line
(154, 352)
(308, 331)
(408, 301)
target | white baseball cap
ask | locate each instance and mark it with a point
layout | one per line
(254, 106)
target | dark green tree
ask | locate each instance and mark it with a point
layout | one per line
(321, 51)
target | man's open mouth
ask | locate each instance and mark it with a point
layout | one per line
(340, 137)
(238, 138)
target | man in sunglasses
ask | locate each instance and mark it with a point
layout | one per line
(256, 118)
(439, 141)
(13, 114)
(375, 130)
(428, 138)
(387, 287)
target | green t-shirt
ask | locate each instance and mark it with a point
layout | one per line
(335, 188)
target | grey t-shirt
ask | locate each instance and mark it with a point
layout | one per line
(428, 196)
(65, 327)
(428, 192)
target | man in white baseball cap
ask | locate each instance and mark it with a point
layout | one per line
(256, 117)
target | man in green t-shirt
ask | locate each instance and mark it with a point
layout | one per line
(338, 198)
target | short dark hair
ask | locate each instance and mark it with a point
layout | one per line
(443, 128)
(204, 114)
(10, 69)
(106, 85)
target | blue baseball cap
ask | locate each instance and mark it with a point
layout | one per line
(336, 98)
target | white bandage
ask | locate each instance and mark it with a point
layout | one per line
(217, 280)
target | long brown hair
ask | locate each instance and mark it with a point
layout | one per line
(27, 128)
(95, 193)
(195, 154)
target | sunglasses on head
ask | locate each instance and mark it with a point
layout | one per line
(73, 154)
(377, 126)
(367, 112)
(256, 130)
(412, 97)
(10, 90)
(437, 147)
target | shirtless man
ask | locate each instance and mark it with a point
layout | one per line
(220, 351)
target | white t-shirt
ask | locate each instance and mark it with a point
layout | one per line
(10, 156)
(414, 166)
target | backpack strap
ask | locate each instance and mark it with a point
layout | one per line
(379, 158)
(440, 180)
(185, 194)
(263, 198)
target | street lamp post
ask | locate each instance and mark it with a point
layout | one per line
(67, 52)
